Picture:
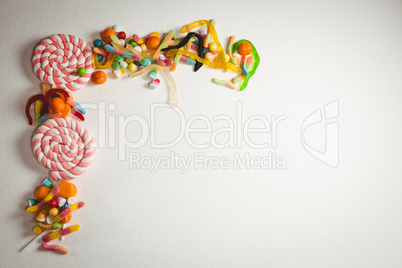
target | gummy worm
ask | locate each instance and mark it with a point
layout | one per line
(224, 83)
(131, 49)
(31, 100)
(60, 233)
(68, 210)
(109, 61)
(122, 53)
(184, 42)
(173, 90)
(164, 44)
(55, 247)
(214, 64)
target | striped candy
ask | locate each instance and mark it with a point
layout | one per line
(57, 58)
(64, 147)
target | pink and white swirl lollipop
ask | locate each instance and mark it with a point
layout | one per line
(57, 58)
(64, 147)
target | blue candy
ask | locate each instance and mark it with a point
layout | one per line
(98, 43)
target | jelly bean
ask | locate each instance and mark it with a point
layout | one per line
(99, 77)
(52, 203)
(203, 32)
(107, 33)
(208, 56)
(54, 211)
(117, 74)
(233, 61)
(121, 35)
(212, 47)
(123, 64)
(138, 48)
(65, 206)
(225, 58)
(100, 57)
(118, 58)
(213, 22)
(81, 71)
(98, 43)
(140, 67)
(143, 47)
(152, 74)
(154, 83)
(115, 65)
(117, 28)
(122, 42)
(162, 57)
(67, 189)
(71, 201)
(133, 43)
(168, 62)
(132, 67)
(129, 60)
(136, 38)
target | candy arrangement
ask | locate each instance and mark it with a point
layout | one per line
(51, 209)
(65, 63)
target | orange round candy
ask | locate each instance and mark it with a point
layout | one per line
(67, 189)
(41, 192)
(153, 42)
(99, 77)
(67, 218)
(245, 49)
(66, 111)
(107, 33)
(56, 105)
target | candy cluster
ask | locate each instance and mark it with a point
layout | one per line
(198, 45)
(65, 63)
(51, 209)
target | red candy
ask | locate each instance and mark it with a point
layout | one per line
(121, 35)
(52, 203)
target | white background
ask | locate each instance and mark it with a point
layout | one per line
(309, 215)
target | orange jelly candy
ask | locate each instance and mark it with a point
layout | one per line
(107, 33)
(245, 49)
(153, 42)
(99, 77)
(67, 189)
(41, 192)
(56, 105)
